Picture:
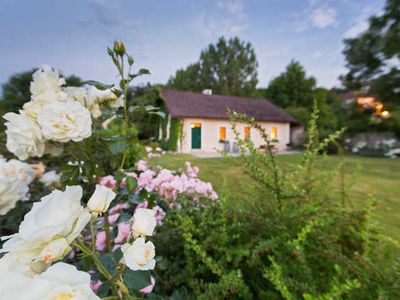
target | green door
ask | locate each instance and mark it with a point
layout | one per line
(196, 138)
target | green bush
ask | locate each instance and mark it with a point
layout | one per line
(293, 242)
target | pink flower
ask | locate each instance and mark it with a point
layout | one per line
(116, 208)
(159, 214)
(148, 289)
(108, 181)
(113, 218)
(148, 149)
(141, 165)
(101, 241)
(144, 204)
(94, 285)
(145, 180)
(124, 229)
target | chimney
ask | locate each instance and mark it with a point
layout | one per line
(207, 92)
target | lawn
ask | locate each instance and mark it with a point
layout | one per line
(378, 177)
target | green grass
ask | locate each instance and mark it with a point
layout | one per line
(378, 177)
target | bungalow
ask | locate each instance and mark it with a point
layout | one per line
(203, 125)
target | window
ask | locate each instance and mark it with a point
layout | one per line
(196, 125)
(274, 133)
(222, 133)
(247, 133)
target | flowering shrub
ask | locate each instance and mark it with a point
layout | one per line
(84, 133)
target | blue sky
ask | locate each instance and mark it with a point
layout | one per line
(165, 35)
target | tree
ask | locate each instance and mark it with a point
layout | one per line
(228, 68)
(374, 56)
(292, 88)
(16, 90)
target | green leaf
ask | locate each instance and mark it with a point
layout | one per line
(136, 280)
(131, 183)
(111, 260)
(144, 72)
(104, 289)
(117, 147)
(99, 85)
(158, 113)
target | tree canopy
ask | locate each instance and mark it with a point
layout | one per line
(229, 68)
(373, 57)
(292, 88)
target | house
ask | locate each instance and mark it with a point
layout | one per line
(203, 125)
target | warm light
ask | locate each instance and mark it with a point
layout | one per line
(247, 133)
(195, 125)
(222, 133)
(274, 133)
(379, 106)
(385, 114)
(366, 101)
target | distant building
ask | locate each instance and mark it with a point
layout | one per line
(205, 126)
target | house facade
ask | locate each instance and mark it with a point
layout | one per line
(204, 126)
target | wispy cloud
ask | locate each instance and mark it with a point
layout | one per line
(228, 20)
(231, 6)
(324, 17)
(316, 17)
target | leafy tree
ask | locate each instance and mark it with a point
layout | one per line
(373, 56)
(229, 68)
(16, 90)
(292, 88)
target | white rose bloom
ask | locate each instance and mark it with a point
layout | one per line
(18, 170)
(81, 95)
(144, 222)
(55, 250)
(104, 96)
(59, 282)
(45, 81)
(12, 284)
(50, 178)
(101, 199)
(139, 255)
(15, 177)
(65, 121)
(57, 215)
(24, 137)
(10, 191)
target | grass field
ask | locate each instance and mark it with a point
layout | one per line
(379, 177)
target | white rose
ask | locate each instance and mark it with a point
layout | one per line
(82, 95)
(65, 121)
(144, 222)
(101, 199)
(18, 170)
(15, 177)
(10, 191)
(24, 137)
(50, 178)
(59, 282)
(55, 250)
(12, 284)
(45, 80)
(104, 96)
(57, 215)
(139, 255)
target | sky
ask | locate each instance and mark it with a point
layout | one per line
(166, 35)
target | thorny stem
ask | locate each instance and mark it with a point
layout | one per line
(107, 230)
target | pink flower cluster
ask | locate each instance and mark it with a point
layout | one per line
(153, 152)
(169, 186)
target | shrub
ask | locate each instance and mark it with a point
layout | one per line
(292, 240)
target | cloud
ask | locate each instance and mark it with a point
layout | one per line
(324, 17)
(231, 6)
(209, 26)
(356, 29)
(227, 20)
(109, 15)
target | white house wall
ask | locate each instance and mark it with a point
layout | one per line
(210, 134)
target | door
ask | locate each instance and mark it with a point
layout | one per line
(196, 136)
